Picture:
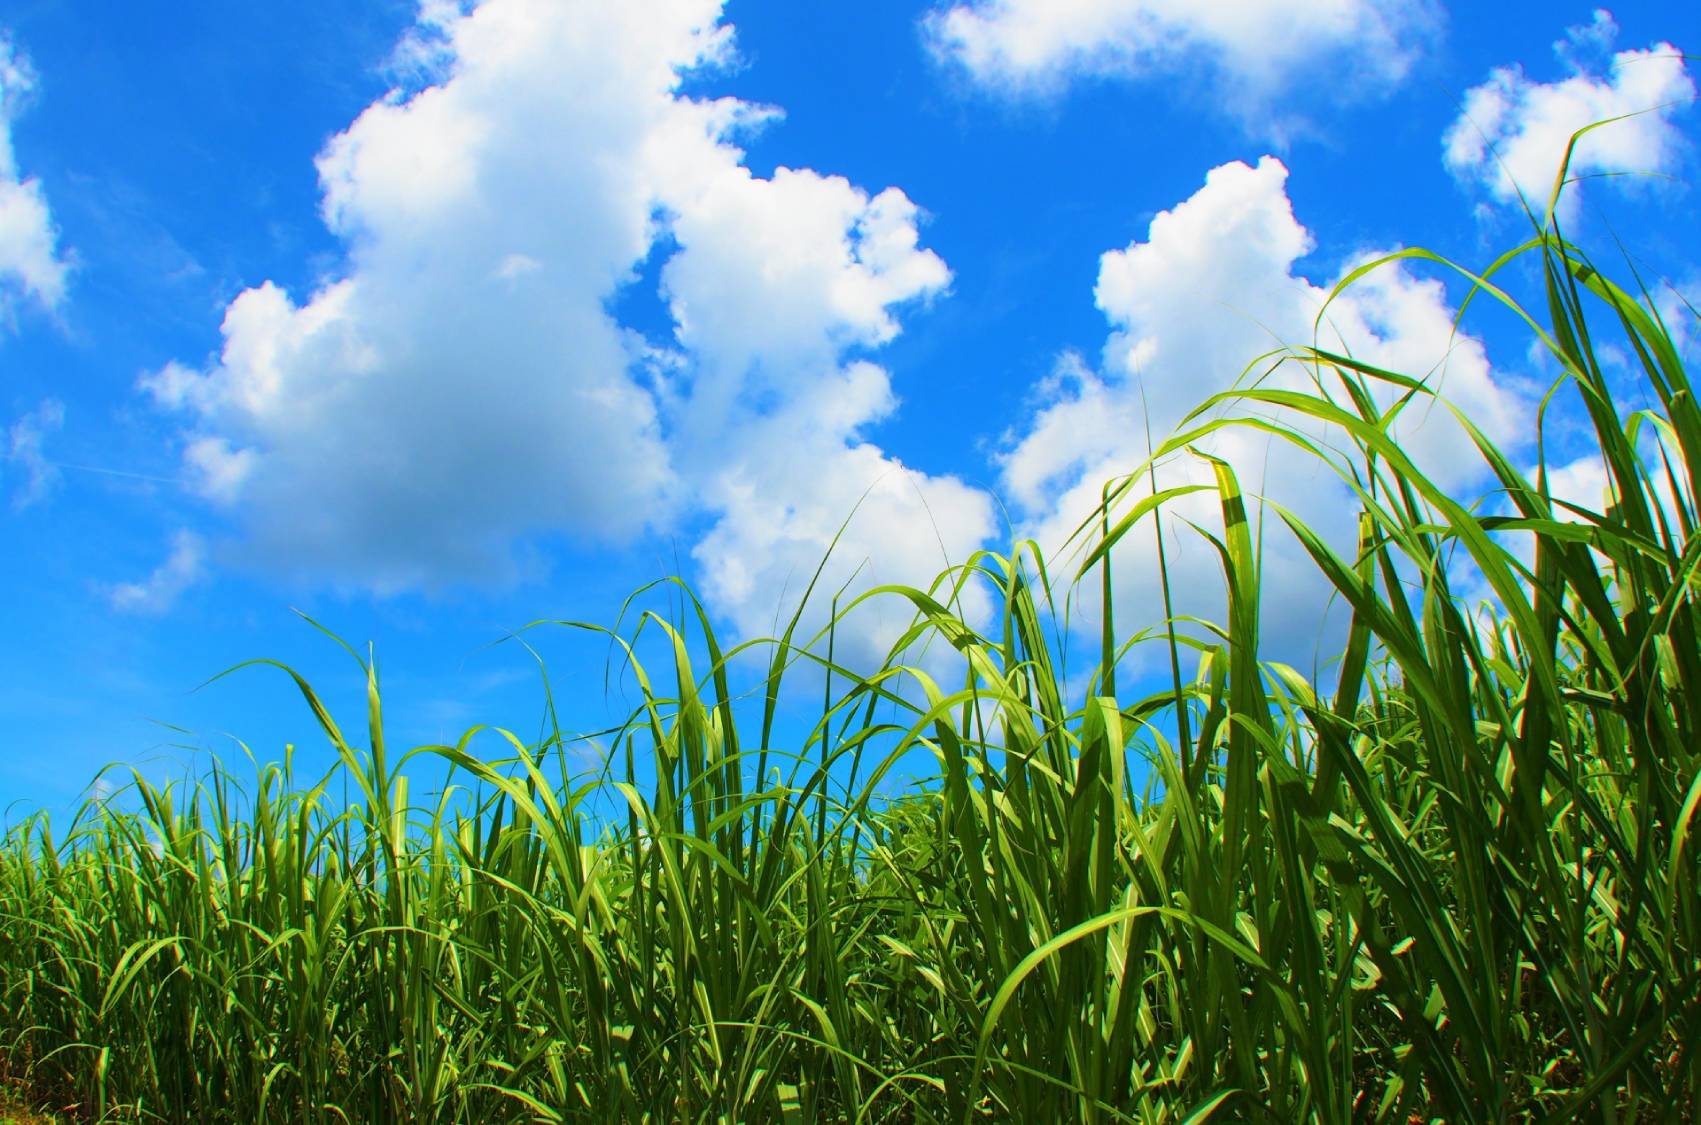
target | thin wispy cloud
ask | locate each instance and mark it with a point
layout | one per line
(158, 592)
(26, 454)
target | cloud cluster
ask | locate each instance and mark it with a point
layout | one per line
(31, 266)
(461, 389)
(1255, 47)
(1512, 132)
(1213, 285)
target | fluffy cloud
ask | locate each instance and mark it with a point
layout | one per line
(159, 591)
(1512, 132)
(776, 524)
(772, 425)
(818, 267)
(24, 448)
(1583, 483)
(30, 263)
(1255, 46)
(462, 387)
(413, 419)
(1212, 286)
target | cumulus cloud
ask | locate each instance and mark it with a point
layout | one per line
(31, 266)
(159, 591)
(1583, 483)
(1212, 286)
(461, 387)
(1583, 493)
(1253, 46)
(772, 427)
(1512, 131)
(776, 524)
(24, 449)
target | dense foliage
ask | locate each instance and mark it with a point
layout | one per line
(1458, 882)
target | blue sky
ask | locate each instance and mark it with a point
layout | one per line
(433, 321)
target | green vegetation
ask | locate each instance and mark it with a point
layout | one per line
(16, 1106)
(15, 1113)
(1457, 883)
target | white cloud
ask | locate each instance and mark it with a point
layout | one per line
(159, 591)
(218, 470)
(1585, 41)
(31, 266)
(1677, 303)
(462, 388)
(1512, 132)
(1212, 286)
(816, 264)
(1254, 47)
(776, 522)
(24, 448)
(772, 424)
(1584, 483)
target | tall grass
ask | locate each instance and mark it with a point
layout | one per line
(1461, 885)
